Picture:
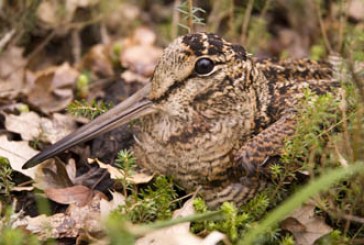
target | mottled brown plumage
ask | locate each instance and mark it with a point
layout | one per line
(213, 129)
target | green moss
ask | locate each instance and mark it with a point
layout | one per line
(6, 183)
(155, 202)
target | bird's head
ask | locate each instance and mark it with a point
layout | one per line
(194, 69)
(201, 68)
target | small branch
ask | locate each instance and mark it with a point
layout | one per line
(322, 27)
(140, 230)
(76, 45)
(175, 19)
(190, 15)
(40, 46)
(342, 23)
(6, 39)
(247, 15)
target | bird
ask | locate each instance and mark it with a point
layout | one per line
(211, 117)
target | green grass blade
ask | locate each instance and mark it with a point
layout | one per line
(311, 189)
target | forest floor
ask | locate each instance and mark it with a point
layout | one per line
(63, 63)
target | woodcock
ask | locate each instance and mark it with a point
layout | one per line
(211, 117)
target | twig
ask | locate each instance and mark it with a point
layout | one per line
(190, 15)
(76, 45)
(175, 18)
(342, 23)
(247, 15)
(140, 230)
(105, 37)
(353, 72)
(231, 17)
(322, 27)
(265, 8)
(6, 38)
(40, 46)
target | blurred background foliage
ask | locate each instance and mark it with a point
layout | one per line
(283, 28)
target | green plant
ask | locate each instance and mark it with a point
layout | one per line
(191, 15)
(125, 160)
(89, 110)
(155, 202)
(16, 236)
(298, 198)
(235, 221)
(6, 183)
(82, 85)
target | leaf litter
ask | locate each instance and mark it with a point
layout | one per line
(49, 91)
(305, 225)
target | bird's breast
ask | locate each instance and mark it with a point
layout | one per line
(196, 153)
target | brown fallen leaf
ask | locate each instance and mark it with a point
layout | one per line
(116, 173)
(61, 185)
(122, 17)
(17, 152)
(180, 234)
(98, 61)
(71, 170)
(50, 16)
(12, 66)
(107, 206)
(139, 54)
(31, 126)
(130, 77)
(22, 188)
(305, 226)
(356, 10)
(75, 221)
(54, 174)
(79, 195)
(141, 59)
(53, 88)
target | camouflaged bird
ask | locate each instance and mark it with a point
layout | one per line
(211, 117)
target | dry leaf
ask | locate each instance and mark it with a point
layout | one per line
(22, 188)
(131, 77)
(31, 126)
(17, 152)
(141, 59)
(11, 72)
(144, 36)
(180, 234)
(122, 17)
(71, 170)
(305, 226)
(98, 61)
(52, 175)
(139, 54)
(50, 16)
(58, 127)
(79, 195)
(356, 10)
(116, 173)
(107, 206)
(53, 88)
(65, 225)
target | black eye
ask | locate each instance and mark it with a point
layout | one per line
(204, 66)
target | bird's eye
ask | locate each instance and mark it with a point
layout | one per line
(204, 66)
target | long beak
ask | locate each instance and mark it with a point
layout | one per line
(132, 108)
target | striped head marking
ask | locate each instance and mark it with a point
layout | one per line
(180, 59)
(191, 65)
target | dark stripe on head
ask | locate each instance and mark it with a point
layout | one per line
(195, 43)
(216, 44)
(240, 51)
(178, 84)
(174, 86)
